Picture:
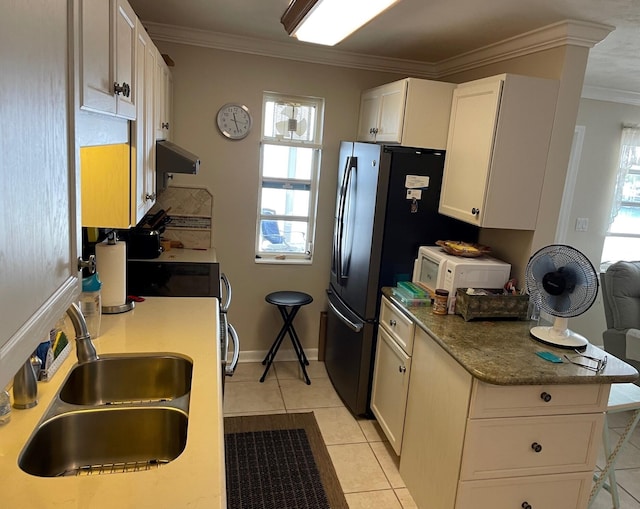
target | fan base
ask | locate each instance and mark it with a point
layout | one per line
(559, 338)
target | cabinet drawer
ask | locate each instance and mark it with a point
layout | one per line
(507, 447)
(565, 491)
(523, 400)
(398, 325)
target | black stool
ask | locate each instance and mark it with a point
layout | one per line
(289, 303)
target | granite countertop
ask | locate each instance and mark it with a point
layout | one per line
(194, 479)
(502, 352)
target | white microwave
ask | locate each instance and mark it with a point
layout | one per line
(434, 268)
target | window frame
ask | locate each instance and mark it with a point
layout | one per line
(283, 255)
(630, 137)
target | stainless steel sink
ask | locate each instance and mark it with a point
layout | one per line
(105, 440)
(128, 379)
(119, 413)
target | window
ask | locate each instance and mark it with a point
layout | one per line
(622, 241)
(289, 170)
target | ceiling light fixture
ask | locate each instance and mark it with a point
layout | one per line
(329, 21)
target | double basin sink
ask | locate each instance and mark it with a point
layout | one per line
(119, 413)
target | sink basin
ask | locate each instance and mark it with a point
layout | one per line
(105, 440)
(128, 379)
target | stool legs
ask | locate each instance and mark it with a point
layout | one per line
(288, 317)
(609, 469)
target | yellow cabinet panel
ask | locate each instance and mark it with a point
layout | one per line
(105, 174)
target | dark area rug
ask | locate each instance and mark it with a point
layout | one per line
(279, 461)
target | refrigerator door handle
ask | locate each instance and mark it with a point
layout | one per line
(356, 327)
(339, 240)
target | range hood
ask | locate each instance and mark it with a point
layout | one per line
(170, 158)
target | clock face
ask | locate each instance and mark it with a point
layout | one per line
(234, 121)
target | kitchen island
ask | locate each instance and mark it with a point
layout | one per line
(488, 423)
(196, 478)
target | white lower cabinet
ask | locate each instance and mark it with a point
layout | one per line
(392, 372)
(471, 445)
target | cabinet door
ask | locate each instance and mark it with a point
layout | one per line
(96, 53)
(391, 117)
(164, 86)
(125, 62)
(474, 113)
(143, 192)
(390, 385)
(39, 226)
(368, 121)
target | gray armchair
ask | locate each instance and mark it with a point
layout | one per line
(621, 298)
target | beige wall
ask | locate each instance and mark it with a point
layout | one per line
(593, 192)
(205, 79)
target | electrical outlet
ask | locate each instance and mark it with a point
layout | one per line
(582, 224)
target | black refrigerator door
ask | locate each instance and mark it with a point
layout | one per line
(358, 228)
(349, 355)
(410, 224)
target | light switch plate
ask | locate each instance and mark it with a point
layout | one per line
(582, 224)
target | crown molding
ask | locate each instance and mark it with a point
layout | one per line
(610, 95)
(288, 50)
(569, 32)
(563, 33)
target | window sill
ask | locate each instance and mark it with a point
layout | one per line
(283, 260)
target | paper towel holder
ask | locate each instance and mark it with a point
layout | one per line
(128, 304)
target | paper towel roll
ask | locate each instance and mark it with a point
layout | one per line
(111, 263)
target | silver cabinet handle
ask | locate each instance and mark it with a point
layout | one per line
(229, 369)
(402, 369)
(393, 323)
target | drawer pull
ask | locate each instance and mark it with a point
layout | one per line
(402, 369)
(546, 397)
(393, 323)
(536, 447)
(526, 505)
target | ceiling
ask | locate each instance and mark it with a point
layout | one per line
(430, 31)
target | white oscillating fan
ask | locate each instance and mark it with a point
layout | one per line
(562, 282)
(290, 120)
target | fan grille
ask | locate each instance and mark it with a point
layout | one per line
(568, 266)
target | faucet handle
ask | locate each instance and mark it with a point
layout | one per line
(87, 264)
(25, 387)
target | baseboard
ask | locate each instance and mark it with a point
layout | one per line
(283, 355)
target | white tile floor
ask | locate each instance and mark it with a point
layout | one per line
(366, 465)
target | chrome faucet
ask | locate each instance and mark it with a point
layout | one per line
(84, 347)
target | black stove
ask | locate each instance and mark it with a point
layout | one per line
(148, 278)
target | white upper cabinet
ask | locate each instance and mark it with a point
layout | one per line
(39, 223)
(163, 101)
(497, 150)
(410, 112)
(107, 57)
(144, 195)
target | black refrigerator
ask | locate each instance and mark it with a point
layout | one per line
(387, 206)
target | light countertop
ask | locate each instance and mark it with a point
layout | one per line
(502, 352)
(196, 478)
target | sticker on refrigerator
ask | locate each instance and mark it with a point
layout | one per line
(416, 182)
(414, 194)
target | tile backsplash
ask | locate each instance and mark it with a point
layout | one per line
(191, 210)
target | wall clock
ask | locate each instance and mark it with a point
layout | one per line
(234, 121)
